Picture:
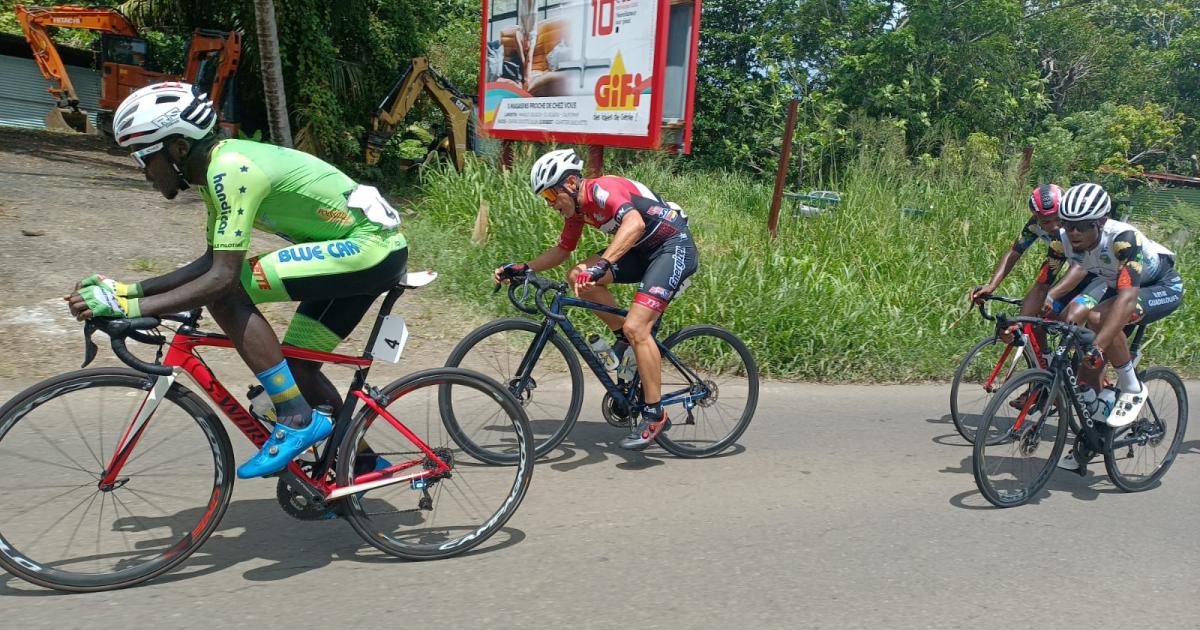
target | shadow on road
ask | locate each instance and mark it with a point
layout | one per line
(1087, 488)
(259, 530)
(594, 443)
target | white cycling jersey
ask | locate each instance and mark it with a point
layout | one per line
(1113, 253)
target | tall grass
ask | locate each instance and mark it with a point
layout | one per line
(863, 292)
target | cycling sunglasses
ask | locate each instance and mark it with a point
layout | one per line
(1079, 226)
(139, 156)
(550, 195)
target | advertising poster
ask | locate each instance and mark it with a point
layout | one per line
(570, 70)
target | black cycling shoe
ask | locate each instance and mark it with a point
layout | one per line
(645, 432)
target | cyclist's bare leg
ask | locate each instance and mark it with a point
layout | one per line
(316, 388)
(597, 293)
(245, 325)
(1115, 353)
(638, 326)
(1031, 306)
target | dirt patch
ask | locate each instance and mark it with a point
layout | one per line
(71, 205)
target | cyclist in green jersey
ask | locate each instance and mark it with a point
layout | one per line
(346, 250)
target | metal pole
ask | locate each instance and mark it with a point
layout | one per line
(781, 176)
(595, 163)
(506, 155)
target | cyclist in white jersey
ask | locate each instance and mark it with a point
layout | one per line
(1133, 281)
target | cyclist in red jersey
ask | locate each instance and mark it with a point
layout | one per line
(651, 246)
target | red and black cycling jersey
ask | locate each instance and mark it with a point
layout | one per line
(605, 201)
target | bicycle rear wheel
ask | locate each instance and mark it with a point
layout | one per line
(59, 528)
(717, 377)
(553, 393)
(1020, 447)
(447, 514)
(1139, 454)
(982, 372)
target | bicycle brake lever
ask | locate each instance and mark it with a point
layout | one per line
(89, 346)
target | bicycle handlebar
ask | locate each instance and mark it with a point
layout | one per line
(542, 285)
(1085, 336)
(117, 330)
(982, 303)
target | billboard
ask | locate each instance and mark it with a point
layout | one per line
(581, 71)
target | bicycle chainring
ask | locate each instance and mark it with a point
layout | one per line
(299, 507)
(615, 413)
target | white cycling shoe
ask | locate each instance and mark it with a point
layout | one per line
(1127, 408)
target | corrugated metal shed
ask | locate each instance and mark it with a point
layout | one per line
(1153, 200)
(24, 100)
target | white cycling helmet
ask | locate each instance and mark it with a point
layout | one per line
(550, 169)
(1084, 201)
(159, 111)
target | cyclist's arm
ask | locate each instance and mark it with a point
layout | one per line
(179, 277)
(630, 232)
(1074, 276)
(549, 259)
(222, 278)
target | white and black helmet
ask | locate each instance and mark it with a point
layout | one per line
(550, 169)
(1084, 201)
(159, 111)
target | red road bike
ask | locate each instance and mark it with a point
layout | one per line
(115, 476)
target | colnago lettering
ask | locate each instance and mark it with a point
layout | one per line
(222, 202)
(301, 253)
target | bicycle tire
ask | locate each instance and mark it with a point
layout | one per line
(960, 410)
(503, 369)
(1113, 459)
(175, 550)
(1016, 446)
(673, 442)
(445, 545)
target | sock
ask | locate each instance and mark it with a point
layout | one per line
(1126, 380)
(290, 407)
(653, 410)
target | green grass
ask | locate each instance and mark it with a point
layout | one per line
(864, 292)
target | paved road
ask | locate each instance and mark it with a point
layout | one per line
(845, 507)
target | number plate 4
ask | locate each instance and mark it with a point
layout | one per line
(393, 334)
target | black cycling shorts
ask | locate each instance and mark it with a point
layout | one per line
(661, 272)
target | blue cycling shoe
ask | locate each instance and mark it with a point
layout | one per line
(285, 444)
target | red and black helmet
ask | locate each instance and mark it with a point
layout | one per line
(1045, 199)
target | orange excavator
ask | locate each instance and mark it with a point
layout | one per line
(212, 61)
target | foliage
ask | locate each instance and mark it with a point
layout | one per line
(863, 292)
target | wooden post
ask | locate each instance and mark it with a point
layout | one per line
(1026, 160)
(506, 155)
(595, 161)
(781, 176)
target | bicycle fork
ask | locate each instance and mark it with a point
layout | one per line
(158, 391)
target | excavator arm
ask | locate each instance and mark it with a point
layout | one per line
(34, 21)
(417, 79)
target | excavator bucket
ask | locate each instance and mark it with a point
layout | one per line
(65, 119)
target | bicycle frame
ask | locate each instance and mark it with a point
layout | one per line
(181, 356)
(550, 324)
(1029, 346)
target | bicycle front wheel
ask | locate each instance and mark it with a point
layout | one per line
(982, 372)
(552, 392)
(60, 528)
(450, 512)
(709, 388)
(1139, 454)
(1020, 444)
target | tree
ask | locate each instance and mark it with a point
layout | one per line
(272, 72)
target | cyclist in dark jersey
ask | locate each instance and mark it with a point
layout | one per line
(346, 251)
(651, 246)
